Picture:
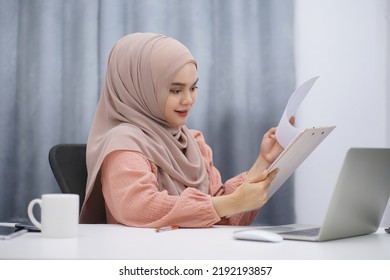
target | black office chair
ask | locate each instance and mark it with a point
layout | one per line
(67, 161)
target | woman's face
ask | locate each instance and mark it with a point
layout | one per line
(182, 95)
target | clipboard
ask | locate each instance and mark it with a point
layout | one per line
(298, 144)
(294, 154)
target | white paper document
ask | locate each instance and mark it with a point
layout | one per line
(298, 143)
(286, 132)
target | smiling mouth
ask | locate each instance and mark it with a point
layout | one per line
(182, 113)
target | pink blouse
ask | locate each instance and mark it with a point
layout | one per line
(132, 196)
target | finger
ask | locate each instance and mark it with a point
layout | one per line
(278, 147)
(271, 176)
(265, 177)
(272, 131)
(260, 177)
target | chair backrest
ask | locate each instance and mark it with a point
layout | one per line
(67, 161)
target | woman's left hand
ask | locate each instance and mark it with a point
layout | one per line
(270, 149)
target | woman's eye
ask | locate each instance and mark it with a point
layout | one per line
(175, 91)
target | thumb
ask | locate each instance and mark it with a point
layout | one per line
(260, 177)
(272, 175)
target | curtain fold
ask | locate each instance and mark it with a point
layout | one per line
(53, 56)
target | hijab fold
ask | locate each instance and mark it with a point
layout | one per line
(131, 116)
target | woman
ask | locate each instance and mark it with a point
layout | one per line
(145, 167)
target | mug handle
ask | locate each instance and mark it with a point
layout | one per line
(31, 214)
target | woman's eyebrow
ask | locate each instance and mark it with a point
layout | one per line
(196, 81)
(178, 84)
(183, 84)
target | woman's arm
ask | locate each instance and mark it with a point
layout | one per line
(130, 189)
(238, 200)
(250, 195)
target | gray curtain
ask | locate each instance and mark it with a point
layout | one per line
(53, 55)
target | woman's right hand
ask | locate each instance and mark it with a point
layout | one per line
(248, 196)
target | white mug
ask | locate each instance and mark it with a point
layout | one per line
(59, 215)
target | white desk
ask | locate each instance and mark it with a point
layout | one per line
(120, 242)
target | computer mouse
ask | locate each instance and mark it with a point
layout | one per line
(257, 235)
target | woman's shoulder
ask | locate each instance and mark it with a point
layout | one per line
(198, 135)
(128, 160)
(203, 147)
(199, 138)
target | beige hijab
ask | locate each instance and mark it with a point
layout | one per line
(131, 116)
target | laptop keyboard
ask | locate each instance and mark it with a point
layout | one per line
(304, 232)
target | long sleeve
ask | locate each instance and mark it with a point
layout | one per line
(216, 186)
(132, 196)
(130, 190)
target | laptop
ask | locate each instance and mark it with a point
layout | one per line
(358, 202)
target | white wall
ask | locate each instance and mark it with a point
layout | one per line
(346, 43)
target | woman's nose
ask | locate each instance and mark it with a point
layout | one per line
(187, 98)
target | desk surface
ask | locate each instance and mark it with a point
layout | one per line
(120, 242)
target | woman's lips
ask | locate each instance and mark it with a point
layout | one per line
(182, 113)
